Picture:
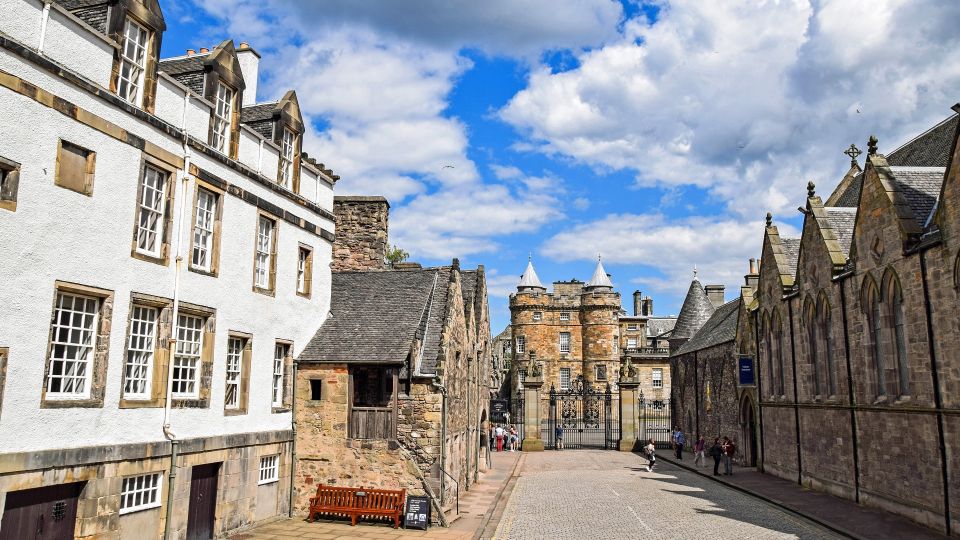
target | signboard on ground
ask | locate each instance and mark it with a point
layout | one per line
(418, 513)
(746, 371)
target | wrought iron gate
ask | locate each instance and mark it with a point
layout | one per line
(655, 420)
(583, 416)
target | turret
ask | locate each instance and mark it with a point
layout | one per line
(529, 282)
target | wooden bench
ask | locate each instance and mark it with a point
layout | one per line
(357, 503)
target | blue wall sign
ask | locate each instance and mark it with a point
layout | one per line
(747, 374)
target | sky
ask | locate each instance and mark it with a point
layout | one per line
(654, 134)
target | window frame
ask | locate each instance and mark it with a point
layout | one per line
(163, 235)
(139, 85)
(222, 119)
(521, 345)
(304, 271)
(271, 270)
(280, 376)
(598, 369)
(632, 327)
(272, 469)
(243, 384)
(156, 490)
(197, 369)
(564, 316)
(149, 365)
(9, 184)
(286, 158)
(213, 250)
(233, 366)
(537, 316)
(653, 378)
(565, 371)
(89, 173)
(635, 342)
(568, 342)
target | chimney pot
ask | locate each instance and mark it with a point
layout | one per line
(244, 45)
(648, 306)
(191, 52)
(204, 50)
(637, 303)
(752, 279)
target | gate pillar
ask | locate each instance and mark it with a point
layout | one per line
(629, 384)
(532, 410)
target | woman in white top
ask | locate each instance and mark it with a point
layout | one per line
(651, 450)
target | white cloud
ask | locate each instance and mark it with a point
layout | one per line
(750, 100)
(500, 286)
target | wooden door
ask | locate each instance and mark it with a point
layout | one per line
(203, 501)
(47, 513)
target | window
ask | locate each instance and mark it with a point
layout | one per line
(812, 345)
(141, 343)
(564, 378)
(280, 354)
(75, 166)
(658, 377)
(186, 360)
(564, 342)
(506, 348)
(222, 120)
(826, 331)
(140, 492)
(537, 315)
(521, 344)
(872, 306)
(287, 149)
(265, 257)
(204, 227)
(73, 337)
(522, 373)
(9, 184)
(231, 398)
(316, 389)
(151, 212)
(269, 469)
(632, 343)
(601, 372)
(899, 338)
(564, 315)
(780, 348)
(133, 62)
(304, 271)
(632, 327)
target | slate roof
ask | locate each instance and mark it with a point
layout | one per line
(182, 64)
(529, 277)
(600, 277)
(791, 248)
(920, 187)
(258, 113)
(77, 4)
(660, 325)
(694, 313)
(851, 197)
(375, 315)
(721, 327)
(842, 220)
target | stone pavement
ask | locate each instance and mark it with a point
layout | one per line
(584, 494)
(841, 515)
(476, 509)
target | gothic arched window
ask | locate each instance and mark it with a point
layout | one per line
(894, 299)
(871, 309)
(826, 330)
(813, 353)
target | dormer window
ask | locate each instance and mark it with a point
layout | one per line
(133, 62)
(222, 119)
(287, 149)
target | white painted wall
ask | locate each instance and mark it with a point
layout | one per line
(57, 234)
(21, 20)
(72, 43)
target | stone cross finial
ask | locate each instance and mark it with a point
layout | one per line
(811, 189)
(853, 152)
(769, 219)
(872, 145)
(694, 271)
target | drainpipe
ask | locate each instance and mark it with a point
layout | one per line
(852, 398)
(167, 432)
(937, 398)
(796, 395)
(293, 428)
(443, 440)
(756, 369)
(43, 25)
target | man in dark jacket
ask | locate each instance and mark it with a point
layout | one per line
(716, 451)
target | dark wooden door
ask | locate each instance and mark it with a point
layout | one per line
(203, 501)
(47, 513)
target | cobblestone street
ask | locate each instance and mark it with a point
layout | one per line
(601, 494)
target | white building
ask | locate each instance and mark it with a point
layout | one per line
(143, 200)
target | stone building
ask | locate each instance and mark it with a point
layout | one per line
(164, 248)
(855, 325)
(393, 389)
(644, 339)
(502, 347)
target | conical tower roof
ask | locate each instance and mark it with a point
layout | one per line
(529, 277)
(696, 309)
(600, 277)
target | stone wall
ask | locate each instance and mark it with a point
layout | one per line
(361, 233)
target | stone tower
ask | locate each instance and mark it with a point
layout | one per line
(695, 311)
(599, 311)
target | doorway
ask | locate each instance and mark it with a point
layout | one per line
(748, 428)
(203, 501)
(47, 513)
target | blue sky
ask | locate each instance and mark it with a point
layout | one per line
(656, 134)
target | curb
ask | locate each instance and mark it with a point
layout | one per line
(501, 502)
(823, 523)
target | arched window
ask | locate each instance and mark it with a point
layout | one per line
(826, 330)
(894, 298)
(871, 308)
(811, 323)
(778, 328)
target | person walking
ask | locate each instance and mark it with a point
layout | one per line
(716, 451)
(513, 438)
(729, 449)
(500, 433)
(559, 434)
(699, 448)
(679, 440)
(651, 452)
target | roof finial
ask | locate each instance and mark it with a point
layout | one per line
(529, 256)
(853, 152)
(811, 189)
(769, 219)
(872, 145)
(694, 271)
(598, 256)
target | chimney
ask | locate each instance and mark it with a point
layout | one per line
(191, 52)
(361, 239)
(648, 306)
(715, 294)
(753, 278)
(637, 303)
(250, 67)
(204, 50)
